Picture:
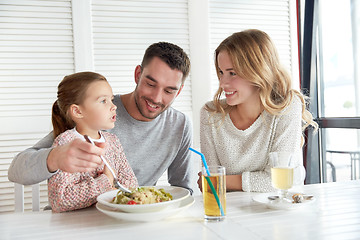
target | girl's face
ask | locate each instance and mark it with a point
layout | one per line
(237, 90)
(97, 111)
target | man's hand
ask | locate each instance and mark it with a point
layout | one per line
(75, 156)
(199, 182)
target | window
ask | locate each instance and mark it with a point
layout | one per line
(332, 44)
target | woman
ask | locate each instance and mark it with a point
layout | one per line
(260, 114)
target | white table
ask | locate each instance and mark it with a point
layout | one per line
(334, 215)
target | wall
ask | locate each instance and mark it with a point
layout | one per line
(42, 41)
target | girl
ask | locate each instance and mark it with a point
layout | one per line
(84, 107)
(260, 114)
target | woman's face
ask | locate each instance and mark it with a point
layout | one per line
(237, 90)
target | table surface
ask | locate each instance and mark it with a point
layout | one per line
(334, 215)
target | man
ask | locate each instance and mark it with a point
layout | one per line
(155, 137)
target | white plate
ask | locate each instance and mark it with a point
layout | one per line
(263, 199)
(146, 217)
(178, 194)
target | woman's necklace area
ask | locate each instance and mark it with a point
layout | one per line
(241, 123)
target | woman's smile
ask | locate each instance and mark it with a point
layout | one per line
(229, 93)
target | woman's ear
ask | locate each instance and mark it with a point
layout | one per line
(75, 112)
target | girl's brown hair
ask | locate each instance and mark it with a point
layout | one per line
(255, 58)
(71, 90)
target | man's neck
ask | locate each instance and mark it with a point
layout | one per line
(129, 103)
(128, 100)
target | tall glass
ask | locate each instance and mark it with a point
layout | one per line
(285, 172)
(214, 196)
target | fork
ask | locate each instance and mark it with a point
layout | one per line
(117, 184)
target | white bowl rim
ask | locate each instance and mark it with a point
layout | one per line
(179, 193)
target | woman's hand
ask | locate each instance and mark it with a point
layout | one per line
(199, 181)
(233, 183)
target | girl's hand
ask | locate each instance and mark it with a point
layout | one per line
(199, 182)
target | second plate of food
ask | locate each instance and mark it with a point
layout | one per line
(178, 194)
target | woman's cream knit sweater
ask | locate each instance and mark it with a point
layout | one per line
(246, 151)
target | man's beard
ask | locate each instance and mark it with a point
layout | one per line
(140, 110)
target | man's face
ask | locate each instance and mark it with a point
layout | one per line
(156, 89)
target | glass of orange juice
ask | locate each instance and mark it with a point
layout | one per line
(214, 196)
(283, 168)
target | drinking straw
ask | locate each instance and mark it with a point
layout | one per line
(203, 160)
(209, 181)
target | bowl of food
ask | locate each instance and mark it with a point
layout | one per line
(146, 216)
(144, 199)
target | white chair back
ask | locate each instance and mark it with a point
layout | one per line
(19, 197)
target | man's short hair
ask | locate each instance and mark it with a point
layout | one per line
(173, 55)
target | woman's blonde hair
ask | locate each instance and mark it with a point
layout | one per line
(255, 58)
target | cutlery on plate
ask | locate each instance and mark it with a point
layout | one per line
(272, 198)
(306, 197)
(117, 184)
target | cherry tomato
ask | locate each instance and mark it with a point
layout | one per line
(132, 202)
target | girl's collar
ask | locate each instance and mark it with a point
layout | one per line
(101, 139)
